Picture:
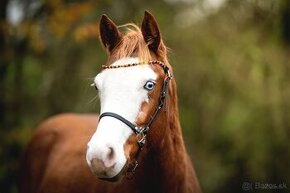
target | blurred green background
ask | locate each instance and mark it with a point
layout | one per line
(231, 63)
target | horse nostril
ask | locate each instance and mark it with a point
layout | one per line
(109, 160)
(111, 153)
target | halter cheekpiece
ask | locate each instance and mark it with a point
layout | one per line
(141, 132)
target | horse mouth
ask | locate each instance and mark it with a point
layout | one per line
(116, 177)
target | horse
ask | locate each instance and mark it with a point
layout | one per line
(137, 146)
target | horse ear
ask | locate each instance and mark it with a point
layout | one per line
(110, 35)
(151, 32)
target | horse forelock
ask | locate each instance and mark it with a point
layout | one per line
(133, 44)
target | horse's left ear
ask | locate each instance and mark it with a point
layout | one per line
(151, 32)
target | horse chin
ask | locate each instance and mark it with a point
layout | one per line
(112, 179)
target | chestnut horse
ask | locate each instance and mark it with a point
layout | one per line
(138, 141)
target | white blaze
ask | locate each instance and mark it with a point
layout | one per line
(121, 91)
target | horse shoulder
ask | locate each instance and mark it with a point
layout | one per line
(54, 160)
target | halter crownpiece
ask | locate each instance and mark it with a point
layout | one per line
(141, 132)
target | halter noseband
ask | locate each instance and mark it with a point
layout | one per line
(141, 132)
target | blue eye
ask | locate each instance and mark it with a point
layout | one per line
(149, 85)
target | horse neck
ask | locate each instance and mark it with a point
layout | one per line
(167, 162)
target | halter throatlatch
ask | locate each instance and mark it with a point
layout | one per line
(141, 132)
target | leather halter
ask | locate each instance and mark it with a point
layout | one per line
(141, 132)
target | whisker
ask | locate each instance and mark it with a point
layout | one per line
(93, 99)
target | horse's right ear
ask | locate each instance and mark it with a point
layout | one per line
(150, 31)
(110, 35)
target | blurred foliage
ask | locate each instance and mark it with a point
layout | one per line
(231, 64)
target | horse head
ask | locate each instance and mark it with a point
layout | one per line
(132, 87)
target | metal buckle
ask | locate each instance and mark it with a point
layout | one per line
(170, 76)
(141, 138)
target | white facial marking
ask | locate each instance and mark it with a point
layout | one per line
(121, 91)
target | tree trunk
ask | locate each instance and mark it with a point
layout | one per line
(3, 61)
(286, 22)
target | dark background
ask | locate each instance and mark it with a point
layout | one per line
(231, 64)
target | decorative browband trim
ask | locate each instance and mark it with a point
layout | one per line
(133, 64)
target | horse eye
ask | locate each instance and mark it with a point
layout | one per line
(149, 85)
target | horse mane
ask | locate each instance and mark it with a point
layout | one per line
(133, 44)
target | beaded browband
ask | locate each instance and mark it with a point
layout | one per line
(134, 64)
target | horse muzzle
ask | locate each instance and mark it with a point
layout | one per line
(105, 162)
